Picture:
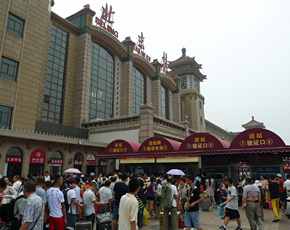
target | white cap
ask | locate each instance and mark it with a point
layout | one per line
(258, 183)
(279, 175)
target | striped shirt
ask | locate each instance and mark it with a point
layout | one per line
(140, 202)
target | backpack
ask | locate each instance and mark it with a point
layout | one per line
(166, 198)
(66, 204)
(7, 210)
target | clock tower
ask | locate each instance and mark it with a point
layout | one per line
(192, 101)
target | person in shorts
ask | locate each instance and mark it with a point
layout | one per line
(191, 216)
(231, 206)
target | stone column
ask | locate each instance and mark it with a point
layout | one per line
(83, 76)
(190, 110)
(126, 79)
(156, 89)
(146, 123)
(176, 107)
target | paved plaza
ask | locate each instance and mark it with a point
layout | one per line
(210, 221)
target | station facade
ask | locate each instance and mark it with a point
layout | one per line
(69, 87)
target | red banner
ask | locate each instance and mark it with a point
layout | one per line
(13, 159)
(91, 163)
(56, 161)
(37, 157)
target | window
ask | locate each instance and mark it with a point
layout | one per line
(53, 96)
(15, 25)
(196, 85)
(8, 69)
(183, 83)
(102, 83)
(164, 102)
(5, 116)
(138, 90)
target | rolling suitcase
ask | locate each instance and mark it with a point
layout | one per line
(104, 219)
(288, 207)
(83, 224)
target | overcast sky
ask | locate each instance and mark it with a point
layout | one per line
(244, 47)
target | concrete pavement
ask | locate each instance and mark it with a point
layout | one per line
(210, 221)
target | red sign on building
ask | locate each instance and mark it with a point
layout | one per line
(13, 159)
(37, 157)
(106, 21)
(56, 161)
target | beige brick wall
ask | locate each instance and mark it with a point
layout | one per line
(126, 88)
(33, 48)
(83, 73)
(7, 92)
(176, 107)
(156, 96)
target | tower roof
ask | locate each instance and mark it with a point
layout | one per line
(186, 65)
(253, 124)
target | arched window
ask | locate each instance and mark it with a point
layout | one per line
(78, 161)
(14, 152)
(56, 155)
(56, 163)
(164, 102)
(13, 162)
(138, 90)
(102, 83)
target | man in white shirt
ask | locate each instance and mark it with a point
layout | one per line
(90, 201)
(287, 185)
(16, 183)
(55, 206)
(128, 208)
(106, 195)
(73, 203)
(46, 176)
(172, 209)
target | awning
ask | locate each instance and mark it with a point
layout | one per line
(202, 141)
(159, 145)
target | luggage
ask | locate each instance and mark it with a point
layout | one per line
(205, 205)
(104, 219)
(83, 224)
(166, 197)
(105, 214)
(288, 207)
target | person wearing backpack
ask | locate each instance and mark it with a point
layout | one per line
(72, 202)
(55, 207)
(169, 199)
(18, 211)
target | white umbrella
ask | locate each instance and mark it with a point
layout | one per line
(73, 170)
(177, 172)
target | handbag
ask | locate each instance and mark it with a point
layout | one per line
(145, 217)
(186, 206)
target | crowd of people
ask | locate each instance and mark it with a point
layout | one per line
(58, 202)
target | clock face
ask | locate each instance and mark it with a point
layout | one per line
(183, 83)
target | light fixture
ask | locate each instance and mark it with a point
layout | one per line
(0, 155)
(49, 160)
(70, 161)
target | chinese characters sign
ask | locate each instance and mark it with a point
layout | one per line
(37, 157)
(164, 62)
(13, 159)
(257, 138)
(106, 21)
(133, 160)
(202, 141)
(118, 148)
(56, 161)
(158, 144)
(177, 159)
(139, 48)
(155, 146)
